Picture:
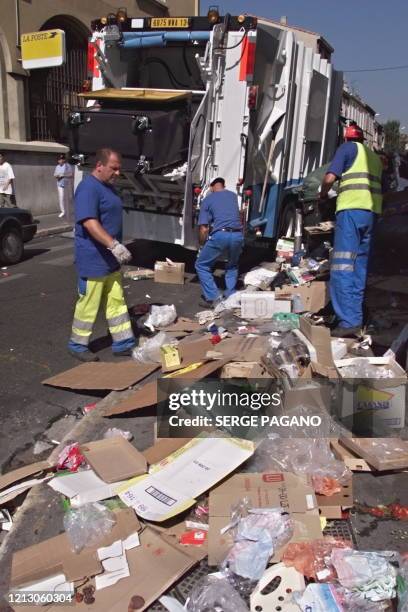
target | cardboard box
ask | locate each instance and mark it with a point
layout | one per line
(114, 459)
(314, 295)
(244, 369)
(267, 490)
(257, 305)
(240, 348)
(55, 555)
(173, 485)
(166, 272)
(374, 402)
(350, 459)
(17, 481)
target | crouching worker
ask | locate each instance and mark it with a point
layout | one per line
(220, 234)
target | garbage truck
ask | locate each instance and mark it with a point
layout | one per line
(186, 99)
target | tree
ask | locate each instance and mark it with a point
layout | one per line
(392, 136)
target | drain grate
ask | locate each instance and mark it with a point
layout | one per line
(340, 528)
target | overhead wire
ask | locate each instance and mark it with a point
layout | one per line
(403, 67)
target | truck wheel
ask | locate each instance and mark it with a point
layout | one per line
(11, 246)
(288, 220)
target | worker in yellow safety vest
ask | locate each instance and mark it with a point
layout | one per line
(359, 203)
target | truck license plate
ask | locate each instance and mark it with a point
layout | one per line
(169, 22)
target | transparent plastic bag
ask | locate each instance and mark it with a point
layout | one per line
(214, 593)
(304, 456)
(257, 534)
(290, 356)
(313, 559)
(160, 316)
(232, 302)
(369, 575)
(149, 352)
(88, 525)
(361, 368)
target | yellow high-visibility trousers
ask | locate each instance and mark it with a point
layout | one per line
(105, 291)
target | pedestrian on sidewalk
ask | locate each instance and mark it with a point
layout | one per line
(359, 203)
(98, 257)
(6, 183)
(220, 233)
(64, 174)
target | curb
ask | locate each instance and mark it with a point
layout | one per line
(60, 229)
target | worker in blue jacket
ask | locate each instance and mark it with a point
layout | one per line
(220, 234)
(359, 203)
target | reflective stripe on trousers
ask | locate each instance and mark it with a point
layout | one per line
(348, 269)
(94, 292)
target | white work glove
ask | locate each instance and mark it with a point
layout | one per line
(120, 252)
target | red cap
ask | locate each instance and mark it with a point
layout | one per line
(353, 132)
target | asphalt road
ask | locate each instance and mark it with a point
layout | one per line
(37, 298)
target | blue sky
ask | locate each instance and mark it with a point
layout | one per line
(364, 34)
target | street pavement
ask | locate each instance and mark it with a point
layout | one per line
(37, 298)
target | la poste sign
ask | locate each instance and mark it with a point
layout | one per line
(43, 49)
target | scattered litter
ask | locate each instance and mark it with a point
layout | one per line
(149, 352)
(161, 316)
(312, 559)
(215, 593)
(6, 521)
(89, 408)
(148, 296)
(41, 447)
(86, 526)
(70, 458)
(114, 432)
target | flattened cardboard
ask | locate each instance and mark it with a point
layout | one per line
(163, 448)
(172, 273)
(172, 486)
(55, 556)
(314, 296)
(147, 395)
(183, 324)
(266, 490)
(114, 459)
(350, 459)
(242, 348)
(366, 448)
(99, 376)
(11, 478)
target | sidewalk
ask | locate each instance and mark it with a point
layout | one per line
(52, 224)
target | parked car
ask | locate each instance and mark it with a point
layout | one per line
(17, 226)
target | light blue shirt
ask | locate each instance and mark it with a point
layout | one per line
(61, 172)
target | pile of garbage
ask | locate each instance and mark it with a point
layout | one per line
(235, 491)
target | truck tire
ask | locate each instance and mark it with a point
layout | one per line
(11, 245)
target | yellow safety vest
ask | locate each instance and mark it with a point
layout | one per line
(360, 186)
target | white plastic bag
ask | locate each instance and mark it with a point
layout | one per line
(259, 277)
(160, 316)
(149, 352)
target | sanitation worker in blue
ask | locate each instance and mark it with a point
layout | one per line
(98, 257)
(220, 234)
(359, 203)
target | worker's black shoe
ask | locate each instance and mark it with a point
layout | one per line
(346, 332)
(209, 304)
(125, 353)
(84, 356)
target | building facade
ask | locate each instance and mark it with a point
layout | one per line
(353, 108)
(34, 105)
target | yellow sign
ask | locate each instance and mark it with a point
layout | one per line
(169, 22)
(43, 49)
